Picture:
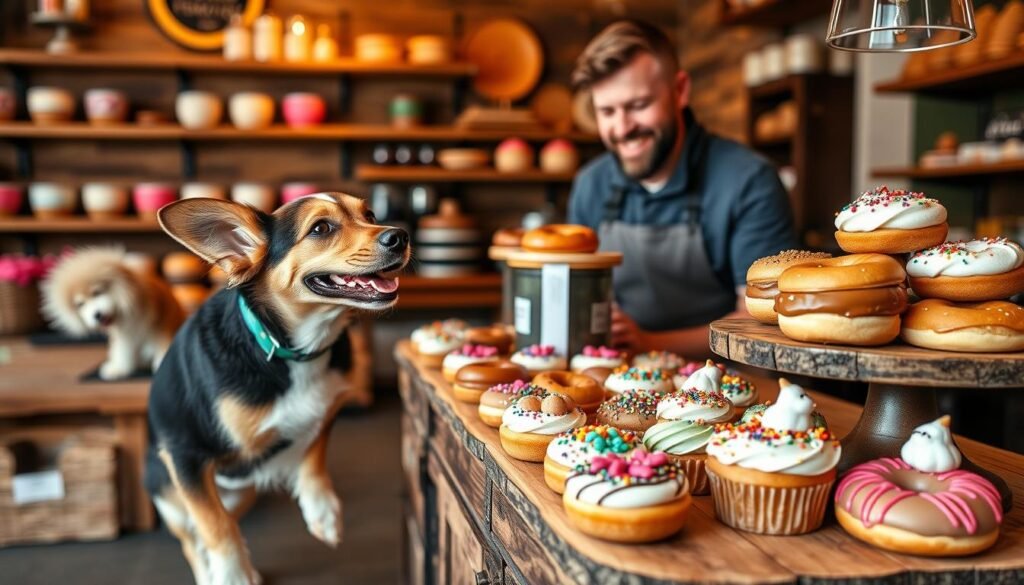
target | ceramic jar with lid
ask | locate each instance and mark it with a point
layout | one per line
(448, 244)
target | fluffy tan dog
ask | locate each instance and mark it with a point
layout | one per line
(96, 290)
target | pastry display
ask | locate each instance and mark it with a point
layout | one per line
(531, 422)
(584, 390)
(991, 326)
(891, 222)
(772, 474)
(920, 503)
(497, 336)
(853, 300)
(560, 238)
(763, 281)
(597, 357)
(642, 497)
(625, 378)
(632, 410)
(579, 447)
(539, 358)
(686, 421)
(469, 353)
(472, 380)
(665, 360)
(985, 269)
(496, 399)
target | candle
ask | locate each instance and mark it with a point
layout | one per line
(266, 42)
(298, 40)
(325, 48)
(237, 40)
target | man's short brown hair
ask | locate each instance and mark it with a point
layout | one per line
(617, 45)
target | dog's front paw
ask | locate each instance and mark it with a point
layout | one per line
(114, 371)
(321, 509)
(232, 570)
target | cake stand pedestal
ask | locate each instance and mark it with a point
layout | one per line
(901, 382)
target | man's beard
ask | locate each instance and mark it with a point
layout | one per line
(645, 166)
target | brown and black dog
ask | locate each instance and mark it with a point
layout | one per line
(244, 399)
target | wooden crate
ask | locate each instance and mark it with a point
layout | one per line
(86, 459)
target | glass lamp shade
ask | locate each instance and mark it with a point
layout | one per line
(899, 25)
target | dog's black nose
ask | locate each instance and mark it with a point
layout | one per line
(99, 316)
(394, 239)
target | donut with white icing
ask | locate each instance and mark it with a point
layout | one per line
(890, 222)
(986, 269)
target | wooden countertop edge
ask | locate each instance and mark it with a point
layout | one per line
(568, 556)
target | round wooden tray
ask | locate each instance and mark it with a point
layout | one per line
(901, 381)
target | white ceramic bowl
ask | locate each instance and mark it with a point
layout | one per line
(106, 106)
(197, 110)
(197, 190)
(104, 200)
(50, 200)
(49, 105)
(258, 195)
(251, 110)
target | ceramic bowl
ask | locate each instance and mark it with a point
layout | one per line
(378, 48)
(150, 197)
(50, 105)
(251, 110)
(513, 156)
(8, 104)
(197, 110)
(196, 190)
(428, 50)
(559, 156)
(106, 106)
(11, 197)
(52, 200)
(104, 200)
(257, 195)
(292, 191)
(303, 109)
(461, 159)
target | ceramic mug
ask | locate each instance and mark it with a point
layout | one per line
(150, 197)
(302, 109)
(196, 190)
(251, 110)
(773, 62)
(197, 110)
(52, 200)
(11, 197)
(292, 191)
(106, 106)
(804, 54)
(104, 200)
(257, 195)
(49, 105)
(753, 69)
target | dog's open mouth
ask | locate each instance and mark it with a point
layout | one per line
(366, 288)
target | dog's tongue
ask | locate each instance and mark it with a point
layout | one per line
(384, 285)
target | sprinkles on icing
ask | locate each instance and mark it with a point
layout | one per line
(516, 387)
(736, 385)
(637, 374)
(883, 197)
(638, 467)
(538, 351)
(601, 439)
(958, 249)
(752, 430)
(640, 402)
(476, 351)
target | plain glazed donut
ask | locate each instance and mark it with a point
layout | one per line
(473, 380)
(560, 238)
(584, 390)
(993, 326)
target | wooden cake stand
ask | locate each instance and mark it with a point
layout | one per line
(901, 382)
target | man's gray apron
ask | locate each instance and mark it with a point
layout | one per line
(665, 280)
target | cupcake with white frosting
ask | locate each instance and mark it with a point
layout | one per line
(772, 474)
(686, 421)
(539, 358)
(890, 222)
(986, 269)
(625, 378)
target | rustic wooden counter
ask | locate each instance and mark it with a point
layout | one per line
(476, 516)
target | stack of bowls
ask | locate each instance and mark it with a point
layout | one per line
(448, 244)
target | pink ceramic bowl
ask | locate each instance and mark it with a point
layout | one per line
(150, 197)
(303, 109)
(106, 106)
(11, 197)
(292, 191)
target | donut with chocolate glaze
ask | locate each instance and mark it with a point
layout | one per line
(763, 281)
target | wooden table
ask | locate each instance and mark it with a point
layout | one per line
(474, 515)
(39, 381)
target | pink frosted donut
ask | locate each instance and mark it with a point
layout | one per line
(891, 505)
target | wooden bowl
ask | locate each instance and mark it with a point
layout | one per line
(462, 159)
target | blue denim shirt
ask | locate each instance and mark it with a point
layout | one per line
(745, 212)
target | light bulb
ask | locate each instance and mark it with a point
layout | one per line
(900, 19)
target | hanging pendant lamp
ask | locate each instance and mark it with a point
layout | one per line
(899, 25)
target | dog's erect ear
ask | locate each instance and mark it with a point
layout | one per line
(227, 234)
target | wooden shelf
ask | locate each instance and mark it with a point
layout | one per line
(773, 13)
(959, 171)
(398, 174)
(979, 79)
(471, 291)
(781, 87)
(77, 224)
(131, 61)
(353, 132)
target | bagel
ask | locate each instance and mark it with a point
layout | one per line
(560, 238)
(473, 380)
(763, 281)
(891, 222)
(855, 271)
(993, 326)
(584, 390)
